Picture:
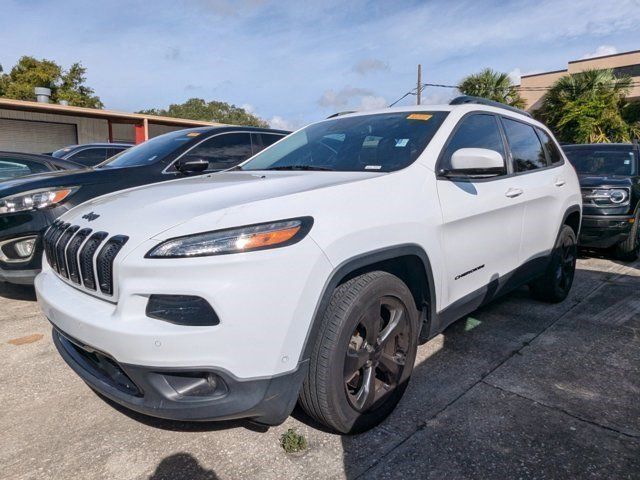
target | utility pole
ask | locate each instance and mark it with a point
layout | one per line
(419, 94)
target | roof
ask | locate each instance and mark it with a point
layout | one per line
(630, 52)
(124, 117)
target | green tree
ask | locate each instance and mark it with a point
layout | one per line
(214, 111)
(30, 73)
(493, 85)
(587, 107)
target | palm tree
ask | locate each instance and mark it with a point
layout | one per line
(493, 85)
(587, 107)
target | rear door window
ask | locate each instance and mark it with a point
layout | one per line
(552, 149)
(223, 151)
(526, 149)
(260, 141)
(89, 157)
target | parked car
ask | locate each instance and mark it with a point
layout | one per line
(16, 165)
(29, 205)
(610, 180)
(91, 154)
(314, 269)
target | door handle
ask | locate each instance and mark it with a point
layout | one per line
(514, 192)
(559, 182)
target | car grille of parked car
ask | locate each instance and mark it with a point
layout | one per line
(81, 256)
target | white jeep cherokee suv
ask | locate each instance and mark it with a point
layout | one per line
(312, 271)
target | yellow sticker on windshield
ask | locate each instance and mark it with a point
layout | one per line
(193, 134)
(419, 116)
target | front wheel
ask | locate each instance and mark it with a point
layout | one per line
(363, 355)
(556, 282)
(629, 250)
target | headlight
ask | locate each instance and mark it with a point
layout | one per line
(35, 199)
(607, 196)
(235, 240)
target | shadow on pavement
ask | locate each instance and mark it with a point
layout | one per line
(436, 441)
(181, 465)
(17, 292)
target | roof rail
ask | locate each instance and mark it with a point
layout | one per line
(485, 101)
(338, 114)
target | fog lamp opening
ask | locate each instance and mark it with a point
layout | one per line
(18, 249)
(185, 310)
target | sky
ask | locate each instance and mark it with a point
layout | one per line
(294, 62)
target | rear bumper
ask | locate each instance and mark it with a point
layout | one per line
(599, 231)
(182, 394)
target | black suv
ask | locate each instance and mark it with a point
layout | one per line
(30, 204)
(610, 183)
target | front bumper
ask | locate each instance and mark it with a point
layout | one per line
(600, 231)
(169, 393)
(19, 277)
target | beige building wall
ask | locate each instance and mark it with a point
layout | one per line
(89, 129)
(628, 63)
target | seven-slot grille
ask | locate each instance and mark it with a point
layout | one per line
(71, 252)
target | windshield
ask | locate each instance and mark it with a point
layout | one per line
(374, 143)
(150, 151)
(602, 160)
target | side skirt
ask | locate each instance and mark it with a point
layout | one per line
(497, 287)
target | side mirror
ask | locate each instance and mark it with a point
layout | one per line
(192, 165)
(475, 162)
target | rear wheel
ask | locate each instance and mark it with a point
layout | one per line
(555, 284)
(364, 353)
(629, 250)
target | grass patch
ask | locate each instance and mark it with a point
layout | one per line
(293, 442)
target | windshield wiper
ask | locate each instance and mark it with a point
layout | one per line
(301, 167)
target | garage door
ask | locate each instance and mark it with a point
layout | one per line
(35, 137)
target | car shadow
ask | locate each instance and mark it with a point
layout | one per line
(17, 292)
(453, 362)
(182, 465)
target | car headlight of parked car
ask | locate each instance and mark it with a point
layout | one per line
(35, 199)
(235, 240)
(606, 196)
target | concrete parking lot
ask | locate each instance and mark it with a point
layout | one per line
(519, 389)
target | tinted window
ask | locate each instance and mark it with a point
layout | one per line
(89, 156)
(152, 151)
(525, 146)
(475, 131)
(552, 148)
(223, 151)
(375, 143)
(602, 160)
(14, 168)
(260, 141)
(114, 151)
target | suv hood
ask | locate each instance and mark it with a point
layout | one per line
(587, 181)
(147, 211)
(59, 179)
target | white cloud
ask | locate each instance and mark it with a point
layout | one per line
(372, 102)
(280, 123)
(248, 107)
(342, 98)
(601, 51)
(514, 76)
(369, 65)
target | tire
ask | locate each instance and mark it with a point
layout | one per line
(364, 354)
(629, 250)
(554, 285)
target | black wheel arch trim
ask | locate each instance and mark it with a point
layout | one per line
(358, 262)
